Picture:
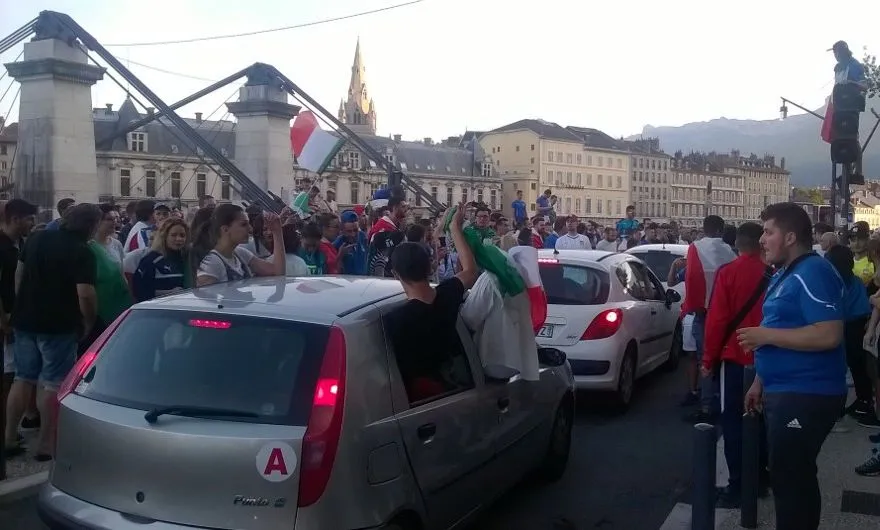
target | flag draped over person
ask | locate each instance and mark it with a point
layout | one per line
(506, 306)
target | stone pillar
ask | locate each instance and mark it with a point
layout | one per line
(56, 134)
(262, 134)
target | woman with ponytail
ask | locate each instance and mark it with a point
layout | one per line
(227, 260)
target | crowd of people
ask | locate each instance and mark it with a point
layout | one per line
(755, 294)
(769, 299)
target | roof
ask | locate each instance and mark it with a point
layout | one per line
(544, 129)
(869, 200)
(160, 138)
(595, 256)
(680, 250)
(598, 139)
(10, 133)
(312, 298)
(435, 159)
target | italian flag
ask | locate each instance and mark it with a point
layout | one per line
(313, 147)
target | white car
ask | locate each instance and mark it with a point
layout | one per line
(659, 258)
(611, 316)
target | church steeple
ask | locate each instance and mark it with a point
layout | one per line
(358, 111)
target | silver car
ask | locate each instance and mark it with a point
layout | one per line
(278, 404)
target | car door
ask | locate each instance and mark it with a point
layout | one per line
(513, 410)
(448, 436)
(637, 319)
(660, 336)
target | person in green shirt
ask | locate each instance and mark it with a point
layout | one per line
(114, 296)
(310, 250)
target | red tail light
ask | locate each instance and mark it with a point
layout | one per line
(325, 422)
(82, 367)
(604, 325)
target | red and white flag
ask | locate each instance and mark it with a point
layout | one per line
(313, 147)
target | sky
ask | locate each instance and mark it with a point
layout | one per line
(439, 67)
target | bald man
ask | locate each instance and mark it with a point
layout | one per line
(828, 240)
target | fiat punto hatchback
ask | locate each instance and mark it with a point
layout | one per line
(279, 404)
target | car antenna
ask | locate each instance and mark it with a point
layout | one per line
(219, 301)
(555, 251)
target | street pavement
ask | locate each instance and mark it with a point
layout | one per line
(625, 472)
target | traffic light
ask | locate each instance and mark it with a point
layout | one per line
(848, 102)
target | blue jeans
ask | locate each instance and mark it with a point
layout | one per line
(43, 357)
(708, 385)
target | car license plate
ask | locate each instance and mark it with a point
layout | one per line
(546, 331)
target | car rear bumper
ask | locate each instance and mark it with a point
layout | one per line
(60, 511)
(595, 363)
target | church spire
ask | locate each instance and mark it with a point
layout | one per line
(358, 109)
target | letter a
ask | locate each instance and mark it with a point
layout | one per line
(276, 463)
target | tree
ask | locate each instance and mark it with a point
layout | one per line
(872, 74)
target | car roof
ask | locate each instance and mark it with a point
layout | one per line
(596, 257)
(311, 298)
(669, 247)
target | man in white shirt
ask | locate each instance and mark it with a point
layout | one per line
(819, 231)
(139, 236)
(609, 243)
(572, 240)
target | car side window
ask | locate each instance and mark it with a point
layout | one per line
(650, 285)
(630, 281)
(429, 374)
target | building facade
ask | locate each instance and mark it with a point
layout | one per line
(586, 170)
(152, 162)
(650, 181)
(734, 187)
(8, 145)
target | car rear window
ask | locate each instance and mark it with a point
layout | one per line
(260, 366)
(574, 285)
(658, 261)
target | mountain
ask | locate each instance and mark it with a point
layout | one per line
(796, 138)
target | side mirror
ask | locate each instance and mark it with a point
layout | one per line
(497, 374)
(551, 356)
(673, 296)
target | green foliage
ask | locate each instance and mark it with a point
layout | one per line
(872, 74)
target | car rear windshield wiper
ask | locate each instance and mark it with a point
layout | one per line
(182, 410)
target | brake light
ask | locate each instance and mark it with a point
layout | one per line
(211, 324)
(548, 261)
(84, 364)
(321, 440)
(604, 325)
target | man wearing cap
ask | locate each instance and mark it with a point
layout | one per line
(848, 71)
(352, 245)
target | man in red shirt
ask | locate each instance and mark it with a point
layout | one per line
(704, 257)
(737, 298)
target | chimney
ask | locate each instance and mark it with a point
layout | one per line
(428, 141)
(397, 137)
(2, 122)
(109, 108)
(782, 163)
(150, 111)
(198, 117)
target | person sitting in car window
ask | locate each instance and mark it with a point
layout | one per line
(429, 312)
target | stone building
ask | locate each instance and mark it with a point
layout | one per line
(153, 162)
(586, 169)
(730, 185)
(649, 178)
(8, 144)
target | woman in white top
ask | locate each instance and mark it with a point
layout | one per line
(227, 260)
(296, 266)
